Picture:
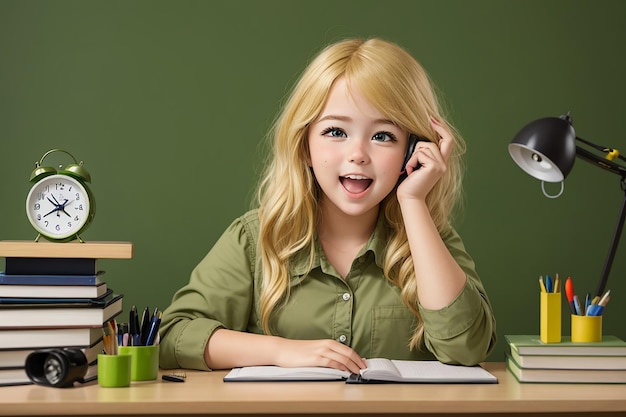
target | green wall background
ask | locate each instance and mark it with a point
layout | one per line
(168, 102)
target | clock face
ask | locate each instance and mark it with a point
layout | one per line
(58, 207)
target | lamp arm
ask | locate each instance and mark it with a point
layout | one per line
(621, 171)
(614, 242)
(599, 161)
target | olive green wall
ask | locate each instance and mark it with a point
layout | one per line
(168, 103)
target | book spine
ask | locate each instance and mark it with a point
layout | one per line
(50, 266)
(84, 280)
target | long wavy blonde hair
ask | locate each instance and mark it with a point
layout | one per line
(288, 195)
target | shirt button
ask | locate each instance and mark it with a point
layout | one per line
(343, 338)
(346, 296)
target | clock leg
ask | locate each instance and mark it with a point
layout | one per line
(38, 237)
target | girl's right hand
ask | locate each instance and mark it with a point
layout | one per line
(326, 353)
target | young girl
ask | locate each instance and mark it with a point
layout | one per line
(350, 254)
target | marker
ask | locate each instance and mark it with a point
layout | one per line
(569, 292)
(595, 310)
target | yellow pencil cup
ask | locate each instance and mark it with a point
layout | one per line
(586, 329)
(550, 317)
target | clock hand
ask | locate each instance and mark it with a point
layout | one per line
(52, 211)
(55, 200)
(56, 205)
(62, 208)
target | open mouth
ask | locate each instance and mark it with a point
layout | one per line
(355, 184)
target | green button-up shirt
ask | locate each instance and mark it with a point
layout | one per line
(362, 310)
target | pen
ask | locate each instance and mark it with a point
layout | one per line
(145, 326)
(123, 334)
(134, 327)
(548, 284)
(120, 334)
(577, 306)
(154, 328)
(587, 302)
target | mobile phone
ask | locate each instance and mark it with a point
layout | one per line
(413, 139)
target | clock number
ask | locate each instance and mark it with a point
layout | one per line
(57, 227)
(37, 207)
(77, 196)
(69, 224)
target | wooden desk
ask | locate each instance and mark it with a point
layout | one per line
(204, 393)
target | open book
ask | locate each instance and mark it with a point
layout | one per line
(378, 371)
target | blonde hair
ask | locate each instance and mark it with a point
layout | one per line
(396, 84)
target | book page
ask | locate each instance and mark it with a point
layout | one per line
(277, 373)
(435, 371)
(379, 368)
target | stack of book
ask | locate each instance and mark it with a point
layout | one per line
(52, 295)
(531, 360)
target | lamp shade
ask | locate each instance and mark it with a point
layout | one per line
(545, 148)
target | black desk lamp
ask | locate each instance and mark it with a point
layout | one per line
(546, 149)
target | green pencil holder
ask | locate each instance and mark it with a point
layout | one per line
(144, 363)
(114, 370)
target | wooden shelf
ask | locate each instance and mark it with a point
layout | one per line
(44, 249)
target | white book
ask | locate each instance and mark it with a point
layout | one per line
(378, 370)
(51, 291)
(16, 358)
(568, 361)
(47, 338)
(61, 315)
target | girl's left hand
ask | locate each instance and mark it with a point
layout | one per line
(433, 159)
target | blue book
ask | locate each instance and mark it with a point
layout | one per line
(50, 279)
(18, 302)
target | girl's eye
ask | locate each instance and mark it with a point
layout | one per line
(384, 137)
(334, 132)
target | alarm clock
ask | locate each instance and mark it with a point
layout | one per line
(60, 205)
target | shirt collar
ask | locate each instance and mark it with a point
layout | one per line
(376, 244)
